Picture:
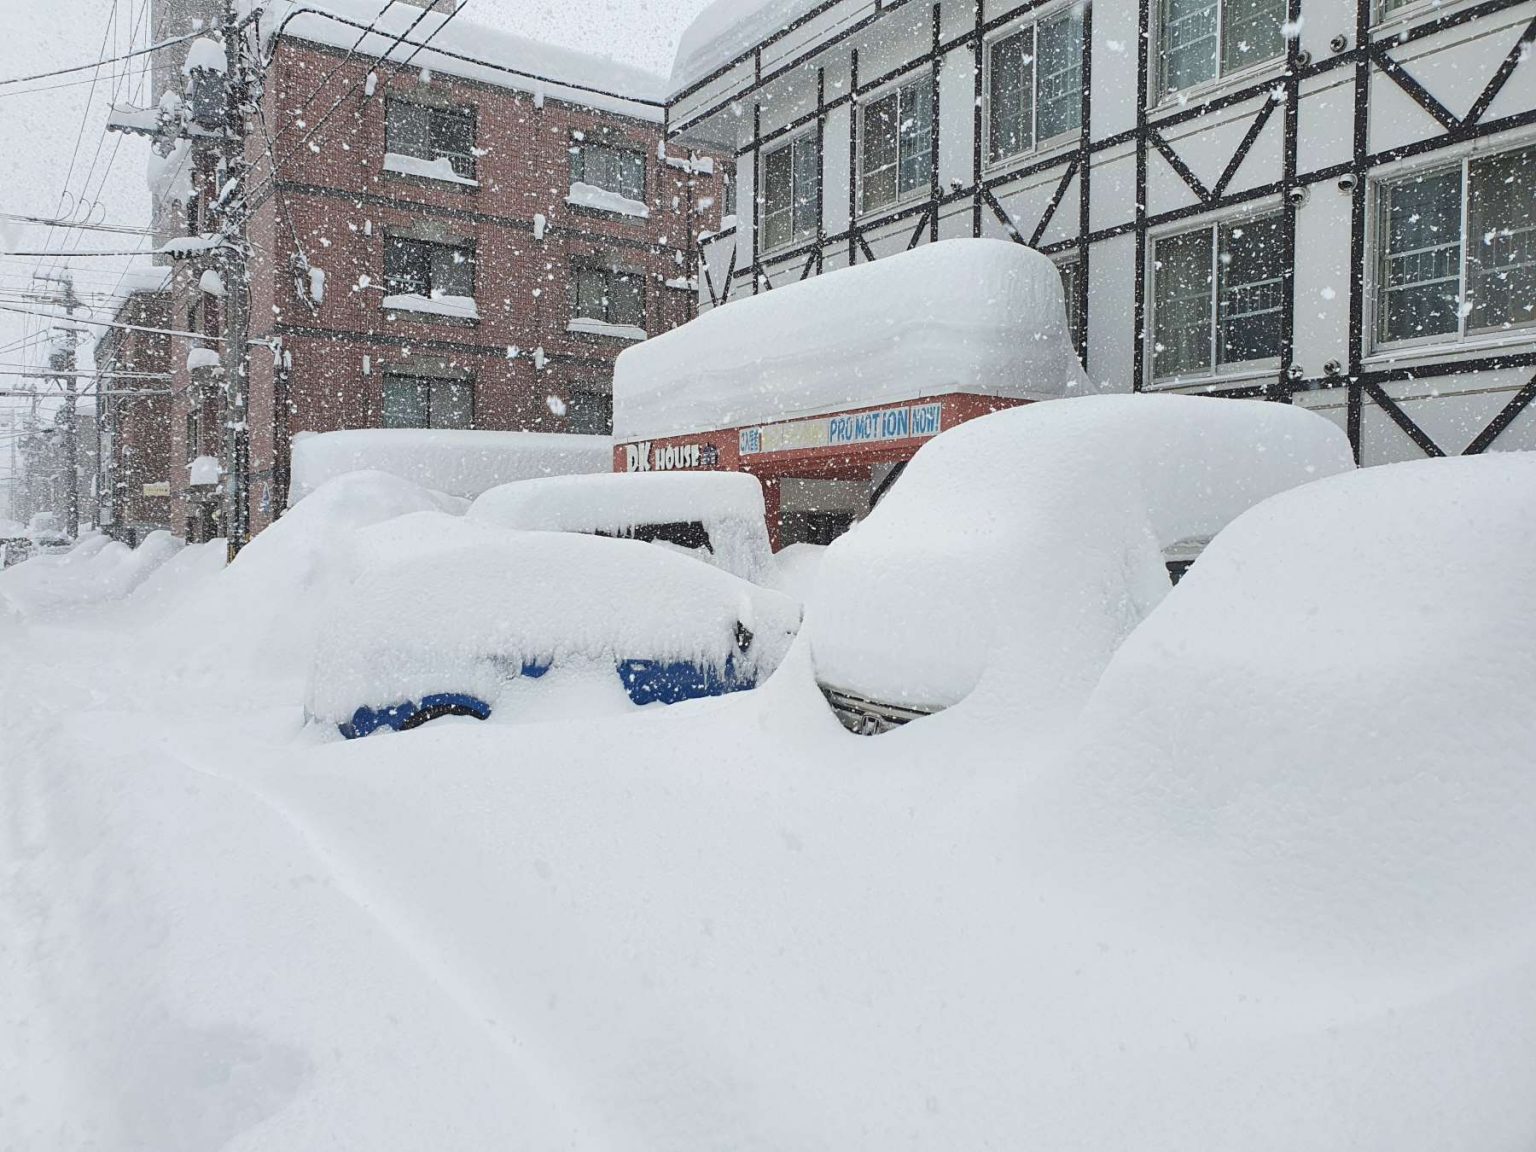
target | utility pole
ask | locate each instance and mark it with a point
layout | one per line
(234, 269)
(62, 361)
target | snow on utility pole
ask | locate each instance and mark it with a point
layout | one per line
(230, 209)
(62, 360)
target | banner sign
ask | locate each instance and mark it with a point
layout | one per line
(911, 422)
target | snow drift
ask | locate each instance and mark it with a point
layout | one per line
(977, 316)
(463, 464)
(1021, 548)
(441, 604)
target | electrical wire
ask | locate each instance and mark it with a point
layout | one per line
(104, 61)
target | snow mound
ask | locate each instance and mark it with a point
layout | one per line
(444, 604)
(1018, 550)
(463, 464)
(729, 506)
(976, 316)
(97, 570)
(1319, 750)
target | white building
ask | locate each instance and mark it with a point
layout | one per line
(1311, 200)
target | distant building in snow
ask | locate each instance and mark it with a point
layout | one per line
(462, 235)
(133, 409)
(1310, 200)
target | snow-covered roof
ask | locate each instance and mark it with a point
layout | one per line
(725, 30)
(459, 463)
(978, 316)
(473, 51)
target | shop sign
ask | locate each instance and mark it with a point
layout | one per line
(646, 457)
(910, 422)
(159, 488)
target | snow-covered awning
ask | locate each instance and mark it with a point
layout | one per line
(984, 317)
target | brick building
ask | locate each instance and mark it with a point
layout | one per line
(133, 408)
(468, 241)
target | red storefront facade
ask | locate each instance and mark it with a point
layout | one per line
(855, 449)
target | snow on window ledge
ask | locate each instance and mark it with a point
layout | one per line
(590, 327)
(601, 200)
(450, 307)
(440, 169)
(204, 472)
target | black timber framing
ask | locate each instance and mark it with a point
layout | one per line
(1365, 57)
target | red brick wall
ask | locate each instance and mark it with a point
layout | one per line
(338, 200)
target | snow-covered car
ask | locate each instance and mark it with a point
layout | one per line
(1018, 550)
(450, 617)
(718, 517)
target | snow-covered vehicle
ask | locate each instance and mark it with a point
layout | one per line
(450, 617)
(716, 516)
(1018, 550)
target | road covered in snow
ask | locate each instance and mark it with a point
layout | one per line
(1269, 890)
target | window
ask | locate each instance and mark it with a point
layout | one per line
(1035, 85)
(421, 268)
(428, 402)
(896, 156)
(616, 170)
(1459, 249)
(431, 133)
(1069, 274)
(194, 434)
(1217, 297)
(1204, 39)
(609, 295)
(589, 413)
(791, 196)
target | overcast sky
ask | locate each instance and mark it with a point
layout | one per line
(41, 132)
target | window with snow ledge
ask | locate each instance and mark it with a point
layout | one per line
(1201, 41)
(608, 179)
(607, 302)
(430, 278)
(428, 401)
(441, 141)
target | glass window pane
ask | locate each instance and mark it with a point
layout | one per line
(1061, 76)
(453, 135)
(405, 402)
(777, 197)
(1011, 89)
(1251, 32)
(1182, 304)
(1251, 290)
(632, 178)
(591, 287)
(1421, 271)
(453, 270)
(407, 267)
(1501, 240)
(1189, 43)
(878, 158)
(807, 179)
(626, 300)
(408, 129)
(1069, 298)
(916, 136)
(453, 404)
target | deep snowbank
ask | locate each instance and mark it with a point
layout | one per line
(96, 570)
(1319, 752)
(975, 316)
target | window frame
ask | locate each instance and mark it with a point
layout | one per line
(610, 274)
(1071, 265)
(1164, 95)
(1216, 369)
(577, 154)
(466, 112)
(925, 78)
(1030, 22)
(760, 198)
(468, 248)
(1376, 271)
(431, 383)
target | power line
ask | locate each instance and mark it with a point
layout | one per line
(101, 63)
